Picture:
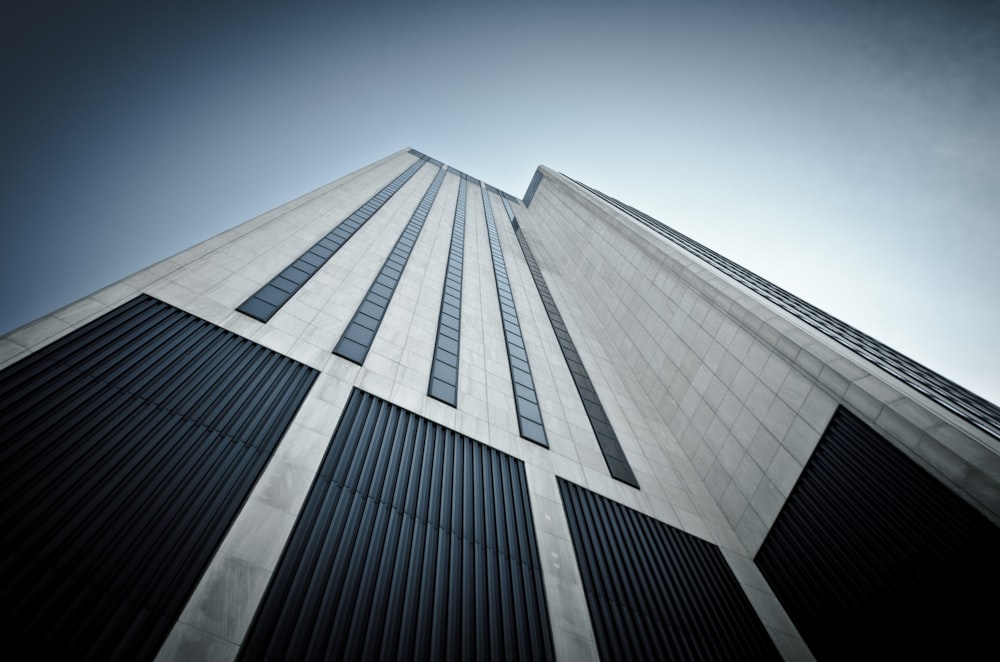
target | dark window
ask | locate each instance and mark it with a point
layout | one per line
(531, 427)
(361, 330)
(611, 449)
(265, 303)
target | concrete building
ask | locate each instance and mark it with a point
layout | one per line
(410, 416)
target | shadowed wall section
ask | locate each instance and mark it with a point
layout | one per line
(415, 542)
(126, 449)
(873, 557)
(655, 592)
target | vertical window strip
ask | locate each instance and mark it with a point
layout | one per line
(611, 449)
(529, 414)
(268, 299)
(510, 214)
(360, 332)
(444, 368)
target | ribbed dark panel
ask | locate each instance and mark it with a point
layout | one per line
(443, 383)
(414, 543)
(126, 450)
(874, 558)
(529, 414)
(655, 592)
(360, 332)
(614, 455)
(979, 412)
(268, 299)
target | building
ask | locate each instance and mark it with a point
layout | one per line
(411, 416)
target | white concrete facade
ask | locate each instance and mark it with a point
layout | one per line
(717, 396)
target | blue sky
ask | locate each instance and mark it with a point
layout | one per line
(849, 152)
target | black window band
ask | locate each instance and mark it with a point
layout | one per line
(444, 369)
(268, 299)
(611, 448)
(361, 330)
(529, 414)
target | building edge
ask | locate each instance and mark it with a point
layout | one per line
(934, 437)
(961, 455)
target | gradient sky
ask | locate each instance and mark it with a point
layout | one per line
(848, 151)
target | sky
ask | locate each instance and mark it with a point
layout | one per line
(848, 152)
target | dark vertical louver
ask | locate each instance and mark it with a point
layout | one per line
(873, 558)
(263, 304)
(360, 332)
(414, 543)
(655, 592)
(443, 383)
(126, 450)
(529, 414)
(611, 449)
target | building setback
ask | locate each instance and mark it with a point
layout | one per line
(411, 416)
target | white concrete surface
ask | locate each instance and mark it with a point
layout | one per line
(717, 397)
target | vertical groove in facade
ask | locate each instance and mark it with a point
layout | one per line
(126, 450)
(360, 332)
(263, 304)
(655, 592)
(529, 414)
(443, 383)
(532, 187)
(872, 556)
(611, 449)
(975, 410)
(415, 543)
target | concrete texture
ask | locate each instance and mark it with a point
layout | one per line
(718, 397)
